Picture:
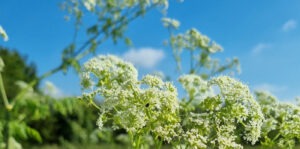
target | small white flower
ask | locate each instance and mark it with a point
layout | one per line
(3, 34)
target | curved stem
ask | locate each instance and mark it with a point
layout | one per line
(95, 105)
(23, 92)
(158, 143)
(4, 96)
(8, 108)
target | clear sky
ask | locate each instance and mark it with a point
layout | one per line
(264, 35)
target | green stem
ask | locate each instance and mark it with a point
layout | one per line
(158, 143)
(138, 142)
(174, 52)
(276, 137)
(131, 139)
(51, 72)
(6, 129)
(190, 100)
(8, 108)
(23, 92)
(4, 96)
(192, 71)
(95, 105)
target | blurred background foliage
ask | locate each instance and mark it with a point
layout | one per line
(38, 118)
(16, 68)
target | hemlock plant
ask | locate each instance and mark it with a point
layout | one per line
(224, 119)
(151, 106)
(141, 107)
(217, 112)
(282, 125)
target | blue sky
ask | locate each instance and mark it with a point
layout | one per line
(264, 35)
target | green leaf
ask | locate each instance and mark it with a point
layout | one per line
(75, 64)
(93, 29)
(128, 41)
(34, 134)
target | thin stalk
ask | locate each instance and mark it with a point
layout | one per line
(6, 129)
(131, 139)
(174, 53)
(51, 72)
(95, 105)
(3, 93)
(276, 137)
(7, 110)
(138, 142)
(192, 62)
(158, 143)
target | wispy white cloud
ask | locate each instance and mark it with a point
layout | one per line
(52, 90)
(283, 93)
(274, 89)
(257, 49)
(144, 57)
(289, 25)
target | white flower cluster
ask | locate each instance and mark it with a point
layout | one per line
(150, 106)
(168, 22)
(195, 139)
(225, 138)
(91, 5)
(193, 39)
(200, 49)
(196, 87)
(224, 115)
(146, 106)
(239, 107)
(282, 125)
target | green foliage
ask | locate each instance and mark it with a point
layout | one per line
(37, 118)
(63, 119)
(16, 69)
(22, 131)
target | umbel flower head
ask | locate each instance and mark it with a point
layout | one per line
(139, 106)
(151, 106)
(282, 125)
(238, 107)
(219, 119)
